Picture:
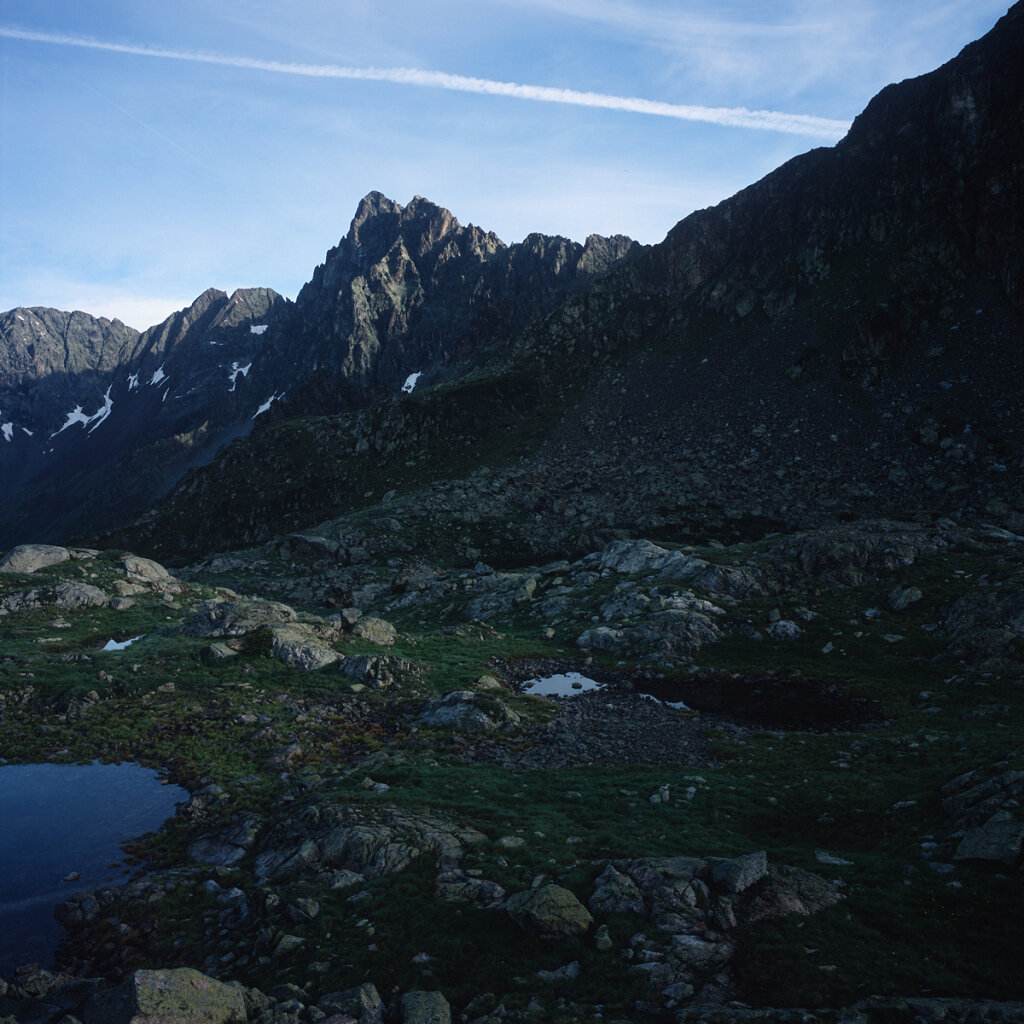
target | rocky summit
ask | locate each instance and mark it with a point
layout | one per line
(554, 632)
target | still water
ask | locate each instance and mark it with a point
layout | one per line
(56, 819)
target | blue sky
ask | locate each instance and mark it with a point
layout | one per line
(152, 150)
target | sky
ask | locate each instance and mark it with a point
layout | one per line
(152, 150)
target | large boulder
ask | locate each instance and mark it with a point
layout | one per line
(370, 841)
(616, 893)
(378, 671)
(1000, 840)
(178, 996)
(363, 1003)
(145, 570)
(236, 618)
(79, 595)
(466, 711)
(549, 911)
(29, 557)
(377, 631)
(425, 1008)
(298, 647)
(641, 556)
(740, 873)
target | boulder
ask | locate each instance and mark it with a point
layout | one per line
(178, 996)
(297, 647)
(29, 557)
(902, 597)
(616, 893)
(641, 556)
(370, 841)
(363, 1003)
(602, 638)
(238, 617)
(466, 711)
(378, 671)
(740, 873)
(784, 629)
(145, 570)
(549, 911)
(425, 1008)
(391, 840)
(999, 840)
(377, 631)
(79, 595)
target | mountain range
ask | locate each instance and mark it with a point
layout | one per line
(845, 330)
(850, 322)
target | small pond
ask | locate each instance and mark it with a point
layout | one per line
(59, 819)
(564, 684)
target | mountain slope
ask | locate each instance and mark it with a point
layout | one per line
(91, 407)
(841, 338)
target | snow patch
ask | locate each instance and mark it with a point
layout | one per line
(27, 431)
(22, 319)
(158, 375)
(77, 416)
(235, 371)
(410, 381)
(8, 429)
(120, 645)
(267, 404)
(101, 414)
(258, 329)
(133, 380)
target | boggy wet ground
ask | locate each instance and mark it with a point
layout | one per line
(797, 703)
(772, 702)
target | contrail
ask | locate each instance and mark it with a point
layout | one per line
(734, 117)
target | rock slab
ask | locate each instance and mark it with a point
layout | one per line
(178, 996)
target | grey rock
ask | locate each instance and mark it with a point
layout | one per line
(28, 558)
(740, 873)
(420, 1007)
(602, 638)
(238, 617)
(277, 863)
(145, 570)
(362, 1002)
(641, 556)
(378, 671)
(615, 893)
(219, 651)
(999, 840)
(903, 597)
(79, 595)
(377, 631)
(784, 629)
(181, 996)
(296, 646)
(467, 711)
(549, 911)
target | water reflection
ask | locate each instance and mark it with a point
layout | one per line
(60, 820)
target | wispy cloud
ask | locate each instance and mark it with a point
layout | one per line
(736, 117)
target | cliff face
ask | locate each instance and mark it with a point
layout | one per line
(930, 172)
(90, 404)
(410, 290)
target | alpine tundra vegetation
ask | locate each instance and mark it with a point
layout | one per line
(751, 498)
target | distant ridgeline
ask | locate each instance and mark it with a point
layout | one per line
(844, 336)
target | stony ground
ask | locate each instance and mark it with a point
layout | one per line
(798, 784)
